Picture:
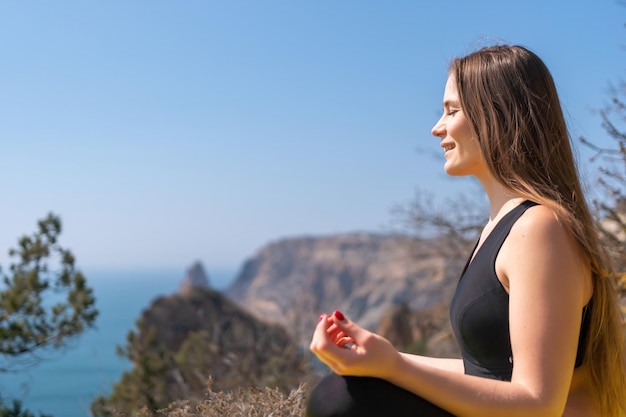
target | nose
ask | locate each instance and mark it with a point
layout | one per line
(439, 129)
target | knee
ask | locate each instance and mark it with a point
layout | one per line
(346, 396)
(329, 398)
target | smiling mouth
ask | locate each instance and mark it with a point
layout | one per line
(447, 148)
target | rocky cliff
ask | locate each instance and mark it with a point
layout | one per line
(292, 281)
(183, 340)
(257, 332)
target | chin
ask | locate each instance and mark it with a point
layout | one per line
(456, 170)
(453, 171)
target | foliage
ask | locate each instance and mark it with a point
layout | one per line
(183, 340)
(610, 206)
(451, 228)
(16, 410)
(45, 300)
(145, 385)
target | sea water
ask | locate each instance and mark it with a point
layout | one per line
(65, 383)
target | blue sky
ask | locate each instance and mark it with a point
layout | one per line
(163, 132)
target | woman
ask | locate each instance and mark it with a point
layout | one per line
(535, 311)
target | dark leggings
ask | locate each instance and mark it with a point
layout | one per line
(351, 396)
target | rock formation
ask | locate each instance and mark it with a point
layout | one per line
(195, 277)
(257, 332)
(425, 332)
(182, 341)
(292, 281)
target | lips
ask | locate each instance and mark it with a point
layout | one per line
(448, 147)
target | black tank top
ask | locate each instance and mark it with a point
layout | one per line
(479, 311)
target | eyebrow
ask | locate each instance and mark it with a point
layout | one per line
(449, 103)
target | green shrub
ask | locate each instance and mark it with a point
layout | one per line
(16, 410)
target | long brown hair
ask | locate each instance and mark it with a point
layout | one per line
(511, 102)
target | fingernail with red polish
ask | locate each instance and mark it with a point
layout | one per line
(321, 317)
(339, 315)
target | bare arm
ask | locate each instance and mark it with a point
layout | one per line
(450, 364)
(547, 282)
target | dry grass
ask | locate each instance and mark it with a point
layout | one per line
(251, 402)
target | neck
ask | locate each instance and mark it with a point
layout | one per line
(501, 199)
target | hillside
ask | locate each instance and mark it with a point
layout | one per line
(257, 332)
(292, 281)
(183, 340)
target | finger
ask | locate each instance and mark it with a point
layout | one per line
(348, 327)
(344, 342)
(338, 336)
(320, 333)
(321, 338)
(335, 332)
(326, 349)
(324, 323)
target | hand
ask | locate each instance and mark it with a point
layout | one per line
(348, 349)
(335, 334)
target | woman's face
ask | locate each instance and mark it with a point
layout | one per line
(461, 150)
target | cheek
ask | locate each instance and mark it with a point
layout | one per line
(459, 128)
(465, 130)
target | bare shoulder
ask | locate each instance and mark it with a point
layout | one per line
(540, 230)
(539, 222)
(540, 245)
